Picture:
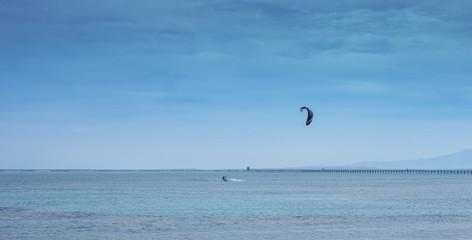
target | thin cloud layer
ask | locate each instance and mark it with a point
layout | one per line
(299, 29)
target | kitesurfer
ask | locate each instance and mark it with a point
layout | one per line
(224, 179)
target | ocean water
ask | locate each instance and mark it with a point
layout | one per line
(251, 205)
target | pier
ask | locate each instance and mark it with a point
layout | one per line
(365, 171)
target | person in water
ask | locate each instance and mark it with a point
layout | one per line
(224, 179)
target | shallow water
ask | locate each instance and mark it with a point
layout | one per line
(251, 205)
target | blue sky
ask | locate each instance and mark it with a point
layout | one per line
(218, 84)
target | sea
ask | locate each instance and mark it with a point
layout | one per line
(46, 204)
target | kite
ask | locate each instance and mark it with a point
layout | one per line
(310, 115)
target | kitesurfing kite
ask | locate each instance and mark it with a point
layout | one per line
(310, 115)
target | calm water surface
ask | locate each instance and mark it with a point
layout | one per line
(251, 205)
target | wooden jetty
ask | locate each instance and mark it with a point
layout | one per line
(365, 171)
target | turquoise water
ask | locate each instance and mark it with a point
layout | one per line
(251, 205)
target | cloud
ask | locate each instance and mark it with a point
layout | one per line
(247, 28)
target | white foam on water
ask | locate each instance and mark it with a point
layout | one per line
(235, 180)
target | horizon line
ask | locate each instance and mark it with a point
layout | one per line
(229, 169)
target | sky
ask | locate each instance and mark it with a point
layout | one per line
(205, 84)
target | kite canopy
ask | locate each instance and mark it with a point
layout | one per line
(310, 115)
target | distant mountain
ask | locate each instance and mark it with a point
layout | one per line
(459, 160)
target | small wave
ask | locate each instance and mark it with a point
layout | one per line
(11, 209)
